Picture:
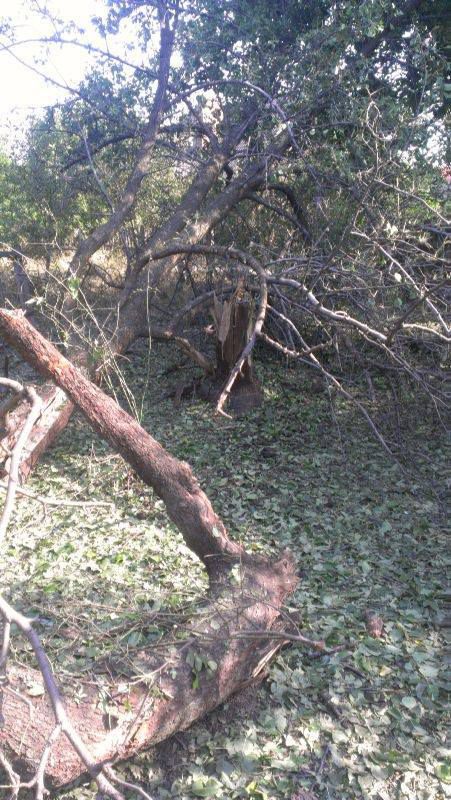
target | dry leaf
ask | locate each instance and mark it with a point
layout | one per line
(374, 625)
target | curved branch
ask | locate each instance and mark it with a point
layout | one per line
(169, 336)
(341, 317)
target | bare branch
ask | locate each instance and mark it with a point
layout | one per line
(421, 292)
(62, 721)
(36, 404)
(103, 233)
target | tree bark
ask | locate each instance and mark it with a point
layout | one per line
(172, 480)
(188, 226)
(233, 322)
(145, 717)
(56, 411)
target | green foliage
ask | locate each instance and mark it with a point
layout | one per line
(308, 55)
(18, 214)
(249, 41)
(200, 664)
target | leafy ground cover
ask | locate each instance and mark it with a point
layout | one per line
(105, 582)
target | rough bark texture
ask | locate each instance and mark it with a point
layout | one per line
(154, 708)
(104, 232)
(233, 320)
(172, 480)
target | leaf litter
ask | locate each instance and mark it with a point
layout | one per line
(367, 721)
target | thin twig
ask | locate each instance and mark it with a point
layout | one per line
(55, 501)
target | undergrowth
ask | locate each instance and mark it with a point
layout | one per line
(105, 582)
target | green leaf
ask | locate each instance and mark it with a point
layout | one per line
(428, 671)
(385, 527)
(253, 790)
(206, 788)
(443, 771)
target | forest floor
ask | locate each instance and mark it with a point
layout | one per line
(106, 581)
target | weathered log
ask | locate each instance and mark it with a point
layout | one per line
(159, 704)
(164, 701)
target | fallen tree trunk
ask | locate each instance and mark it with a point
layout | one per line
(151, 708)
(155, 704)
(172, 480)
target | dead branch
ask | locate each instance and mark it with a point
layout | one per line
(62, 721)
(421, 292)
(14, 463)
(55, 501)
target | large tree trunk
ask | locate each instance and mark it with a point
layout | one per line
(219, 635)
(57, 409)
(171, 479)
(103, 233)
